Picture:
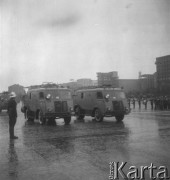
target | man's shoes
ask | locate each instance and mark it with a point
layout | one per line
(14, 137)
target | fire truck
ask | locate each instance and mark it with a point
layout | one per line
(47, 102)
(4, 97)
(100, 102)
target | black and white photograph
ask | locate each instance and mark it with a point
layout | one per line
(84, 89)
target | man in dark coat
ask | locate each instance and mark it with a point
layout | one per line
(12, 112)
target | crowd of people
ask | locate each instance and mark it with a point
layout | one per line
(156, 103)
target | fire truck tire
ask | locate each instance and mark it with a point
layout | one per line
(42, 119)
(78, 113)
(37, 114)
(67, 120)
(98, 115)
(51, 122)
(30, 116)
(30, 119)
(119, 117)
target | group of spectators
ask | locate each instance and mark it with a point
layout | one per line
(156, 103)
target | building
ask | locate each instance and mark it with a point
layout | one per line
(108, 79)
(95, 82)
(147, 83)
(72, 85)
(18, 89)
(129, 85)
(163, 73)
(85, 82)
(80, 83)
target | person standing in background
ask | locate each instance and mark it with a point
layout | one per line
(145, 101)
(151, 100)
(139, 103)
(133, 102)
(129, 102)
(12, 112)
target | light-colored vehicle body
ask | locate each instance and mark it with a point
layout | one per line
(48, 103)
(101, 102)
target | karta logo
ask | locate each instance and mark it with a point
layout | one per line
(133, 172)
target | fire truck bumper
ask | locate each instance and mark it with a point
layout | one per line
(57, 115)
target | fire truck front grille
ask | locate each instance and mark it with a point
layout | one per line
(117, 105)
(60, 106)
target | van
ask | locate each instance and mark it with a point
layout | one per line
(4, 98)
(100, 102)
(47, 103)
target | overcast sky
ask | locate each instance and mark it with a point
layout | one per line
(59, 40)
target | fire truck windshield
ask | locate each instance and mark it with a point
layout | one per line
(59, 94)
(65, 94)
(115, 94)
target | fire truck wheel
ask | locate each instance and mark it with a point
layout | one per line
(82, 116)
(78, 113)
(30, 119)
(42, 120)
(120, 117)
(67, 120)
(98, 115)
(30, 116)
(51, 122)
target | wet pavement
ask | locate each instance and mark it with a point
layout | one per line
(83, 150)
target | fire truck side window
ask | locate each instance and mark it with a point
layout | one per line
(41, 95)
(99, 95)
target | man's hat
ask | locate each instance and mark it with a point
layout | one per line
(12, 95)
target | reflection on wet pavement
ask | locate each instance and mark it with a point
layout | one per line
(13, 160)
(83, 150)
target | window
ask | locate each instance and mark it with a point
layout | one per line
(120, 94)
(82, 95)
(99, 95)
(65, 94)
(41, 95)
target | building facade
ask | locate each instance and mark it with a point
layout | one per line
(18, 89)
(84, 82)
(147, 82)
(129, 85)
(163, 73)
(108, 79)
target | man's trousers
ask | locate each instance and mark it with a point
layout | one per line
(12, 122)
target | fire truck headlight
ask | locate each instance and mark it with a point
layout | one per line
(108, 109)
(49, 109)
(71, 109)
(48, 96)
